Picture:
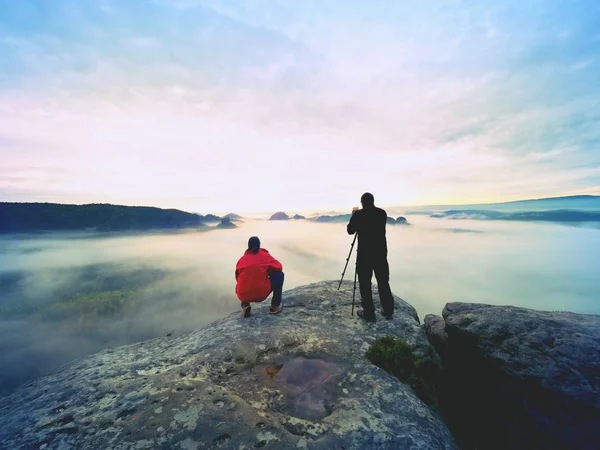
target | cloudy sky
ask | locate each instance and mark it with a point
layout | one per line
(262, 105)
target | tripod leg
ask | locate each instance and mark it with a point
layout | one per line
(347, 259)
(355, 275)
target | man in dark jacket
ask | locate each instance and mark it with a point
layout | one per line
(369, 223)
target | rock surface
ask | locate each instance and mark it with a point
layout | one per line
(519, 378)
(298, 379)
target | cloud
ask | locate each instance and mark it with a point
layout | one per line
(184, 281)
(409, 79)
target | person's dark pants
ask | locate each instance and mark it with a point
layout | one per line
(365, 267)
(276, 288)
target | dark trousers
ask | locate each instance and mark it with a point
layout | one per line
(365, 267)
(276, 288)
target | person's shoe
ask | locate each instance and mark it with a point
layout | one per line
(390, 317)
(275, 309)
(247, 310)
(362, 315)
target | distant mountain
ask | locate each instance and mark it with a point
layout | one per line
(280, 216)
(573, 202)
(324, 213)
(345, 218)
(579, 202)
(469, 214)
(298, 217)
(528, 216)
(33, 217)
(332, 219)
(226, 223)
(211, 218)
(233, 216)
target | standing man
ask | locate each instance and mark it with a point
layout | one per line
(257, 274)
(369, 223)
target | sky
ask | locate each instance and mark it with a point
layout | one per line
(219, 106)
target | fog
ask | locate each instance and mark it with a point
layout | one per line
(51, 285)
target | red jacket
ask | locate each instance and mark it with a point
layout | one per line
(251, 274)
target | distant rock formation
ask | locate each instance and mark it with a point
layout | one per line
(233, 216)
(211, 218)
(280, 216)
(298, 217)
(226, 223)
(399, 221)
(519, 378)
(296, 380)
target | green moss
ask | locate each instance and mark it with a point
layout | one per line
(395, 356)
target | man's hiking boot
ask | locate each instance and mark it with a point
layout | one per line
(247, 310)
(362, 315)
(275, 309)
(390, 317)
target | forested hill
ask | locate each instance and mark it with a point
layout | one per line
(31, 217)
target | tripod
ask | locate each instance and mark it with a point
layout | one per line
(355, 273)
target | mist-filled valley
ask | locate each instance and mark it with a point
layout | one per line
(66, 295)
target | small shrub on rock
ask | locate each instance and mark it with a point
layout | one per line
(395, 356)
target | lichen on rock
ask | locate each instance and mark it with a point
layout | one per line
(299, 379)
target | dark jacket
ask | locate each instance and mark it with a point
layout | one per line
(370, 225)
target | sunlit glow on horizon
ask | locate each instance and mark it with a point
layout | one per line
(271, 105)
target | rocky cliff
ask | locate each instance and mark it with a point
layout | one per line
(299, 379)
(518, 378)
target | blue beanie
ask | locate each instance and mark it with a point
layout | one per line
(254, 244)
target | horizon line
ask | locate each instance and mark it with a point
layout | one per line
(559, 197)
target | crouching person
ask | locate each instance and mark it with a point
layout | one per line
(258, 274)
